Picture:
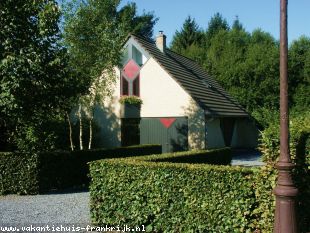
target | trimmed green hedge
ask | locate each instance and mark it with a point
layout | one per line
(66, 169)
(34, 173)
(18, 173)
(221, 156)
(172, 197)
(300, 154)
(168, 196)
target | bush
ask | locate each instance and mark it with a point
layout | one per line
(172, 197)
(18, 173)
(221, 156)
(66, 169)
(131, 100)
(299, 145)
(24, 173)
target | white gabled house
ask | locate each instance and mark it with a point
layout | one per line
(183, 108)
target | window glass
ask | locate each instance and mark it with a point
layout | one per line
(136, 86)
(137, 55)
(125, 88)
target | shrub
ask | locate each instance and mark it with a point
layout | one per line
(18, 173)
(221, 156)
(172, 197)
(24, 173)
(66, 169)
(131, 100)
(299, 145)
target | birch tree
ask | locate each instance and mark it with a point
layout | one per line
(94, 33)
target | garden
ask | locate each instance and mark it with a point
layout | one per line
(175, 192)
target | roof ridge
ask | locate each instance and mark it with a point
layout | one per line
(194, 80)
(182, 55)
(143, 38)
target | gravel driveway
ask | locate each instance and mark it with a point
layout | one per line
(54, 209)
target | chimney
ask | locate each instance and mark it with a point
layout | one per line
(161, 41)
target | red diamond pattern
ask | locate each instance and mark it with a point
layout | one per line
(167, 122)
(131, 69)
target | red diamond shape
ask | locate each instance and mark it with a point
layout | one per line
(131, 69)
(167, 122)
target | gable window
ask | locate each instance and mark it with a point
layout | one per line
(133, 52)
(124, 86)
(136, 86)
(137, 56)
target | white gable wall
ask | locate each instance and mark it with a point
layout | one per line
(163, 97)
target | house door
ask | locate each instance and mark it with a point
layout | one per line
(227, 127)
(170, 132)
(130, 131)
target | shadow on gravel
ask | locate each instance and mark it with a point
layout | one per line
(80, 189)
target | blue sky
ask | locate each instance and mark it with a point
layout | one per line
(253, 14)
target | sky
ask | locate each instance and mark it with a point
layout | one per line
(253, 14)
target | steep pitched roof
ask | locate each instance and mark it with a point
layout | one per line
(194, 80)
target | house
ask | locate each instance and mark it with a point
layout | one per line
(183, 107)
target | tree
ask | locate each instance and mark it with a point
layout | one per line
(94, 33)
(137, 24)
(216, 24)
(237, 25)
(226, 56)
(246, 66)
(189, 35)
(299, 73)
(35, 84)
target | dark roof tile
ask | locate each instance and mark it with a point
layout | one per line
(191, 77)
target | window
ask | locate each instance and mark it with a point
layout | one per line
(136, 86)
(137, 56)
(125, 86)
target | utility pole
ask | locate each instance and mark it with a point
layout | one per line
(285, 191)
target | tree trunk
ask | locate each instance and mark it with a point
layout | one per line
(81, 126)
(70, 132)
(90, 132)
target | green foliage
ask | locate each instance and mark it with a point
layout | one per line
(189, 35)
(130, 100)
(300, 147)
(136, 24)
(171, 197)
(247, 64)
(221, 156)
(237, 25)
(18, 173)
(94, 32)
(35, 83)
(299, 73)
(167, 194)
(216, 24)
(26, 173)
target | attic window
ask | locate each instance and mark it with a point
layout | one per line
(137, 56)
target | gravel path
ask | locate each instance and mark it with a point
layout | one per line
(54, 209)
(246, 158)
